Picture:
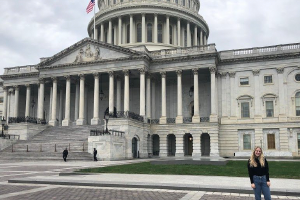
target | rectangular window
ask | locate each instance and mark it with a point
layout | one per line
(269, 109)
(247, 141)
(244, 81)
(268, 79)
(298, 140)
(271, 141)
(245, 112)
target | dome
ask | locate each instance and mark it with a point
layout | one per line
(156, 24)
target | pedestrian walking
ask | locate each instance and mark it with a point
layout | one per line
(95, 154)
(65, 154)
(259, 174)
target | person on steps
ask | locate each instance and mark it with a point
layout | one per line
(95, 155)
(65, 154)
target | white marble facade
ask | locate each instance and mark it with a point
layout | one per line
(184, 97)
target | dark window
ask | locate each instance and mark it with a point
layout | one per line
(244, 81)
(245, 110)
(171, 35)
(268, 79)
(297, 77)
(128, 33)
(185, 37)
(149, 32)
(297, 102)
(269, 109)
(139, 33)
(159, 33)
(247, 141)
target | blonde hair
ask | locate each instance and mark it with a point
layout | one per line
(261, 158)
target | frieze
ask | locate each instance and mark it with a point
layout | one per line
(185, 58)
(88, 55)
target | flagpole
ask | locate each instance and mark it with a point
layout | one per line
(95, 37)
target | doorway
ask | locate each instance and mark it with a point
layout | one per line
(205, 144)
(171, 145)
(135, 153)
(188, 144)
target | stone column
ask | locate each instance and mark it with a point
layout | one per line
(201, 37)
(81, 120)
(76, 101)
(131, 29)
(96, 34)
(213, 115)
(148, 94)
(196, 144)
(109, 39)
(179, 118)
(50, 103)
(179, 144)
(102, 33)
(153, 105)
(41, 100)
(120, 31)
(167, 30)
(143, 28)
(282, 108)
(196, 117)
(16, 101)
(27, 107)
(163, 145)
(118, 94)
(232, 96)
(178, 32)
(5, 97)
(53, 121)
(155, 29)
(224, 98)
(257, 99)
(8, 114)
(66, 121)
(96, 120)
(188, 33)
(205, 39)
(126, 90)
(163, 118)
(195, 36)
(142, 92)
(60, 111)
(111, 92)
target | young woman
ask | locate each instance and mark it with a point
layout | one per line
(259, 174)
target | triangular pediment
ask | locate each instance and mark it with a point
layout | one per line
(89, 50)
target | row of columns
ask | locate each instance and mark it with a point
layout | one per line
(202, 35)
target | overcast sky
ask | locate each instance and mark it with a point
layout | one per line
(30, 29)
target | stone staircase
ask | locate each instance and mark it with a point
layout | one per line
(50, 143)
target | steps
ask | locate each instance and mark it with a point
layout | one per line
(50, 143)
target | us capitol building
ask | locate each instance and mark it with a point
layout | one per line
(167, 91)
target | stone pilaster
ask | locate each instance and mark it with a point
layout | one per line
(126, 90)
(167, 30)
(81, 120)
(188, 31)
(213, 116)
(179, 118)
(142, 93)
(143, 28)
(40, 114)
(17, 92)
(120, 31)
(96, 120)
(196, 117)
(131, 29)
(66, 121)
(109, 39)
(53, 121)
(257, 99)
(148, 97)
(155, 28)
(178, 32)
(27, 107)
(282, 106)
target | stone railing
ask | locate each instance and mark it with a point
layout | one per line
(97, 132)
(21, 69)
(184, 51)
(27, 119)
(127, 114)
(285, 48)
(185, 120)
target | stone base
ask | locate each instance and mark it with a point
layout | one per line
(213, 118)
(196, 119)
(257, 119)
(196, 155)
(179, 120)
(179, 155)
(80, 122)
(95, 121)
(163, 120)
(66, 122)
(53, 123)
(282, 118)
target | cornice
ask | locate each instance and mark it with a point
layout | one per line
(70, 49)
(185, 58)
(20, 75)
(145, 58)
(262, 58)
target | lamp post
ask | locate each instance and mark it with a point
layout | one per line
(3, 123)
(106, 120)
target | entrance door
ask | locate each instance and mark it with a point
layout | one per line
(155, 139)
(205, 144)
(134, 148)
(188, 144)
(171, 145)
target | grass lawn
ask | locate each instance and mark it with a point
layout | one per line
(233, 168)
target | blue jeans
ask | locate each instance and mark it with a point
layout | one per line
(261, 187)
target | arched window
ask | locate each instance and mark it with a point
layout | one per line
(139, 32)
(128, 33)
(171, 35)
(159, 33)
(185, 38)
(297, 102)
(149, 32)
(183, 2)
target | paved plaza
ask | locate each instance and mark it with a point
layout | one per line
(114, 188)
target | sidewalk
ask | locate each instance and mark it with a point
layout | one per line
(283, 187)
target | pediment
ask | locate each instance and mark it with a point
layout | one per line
(89, 50)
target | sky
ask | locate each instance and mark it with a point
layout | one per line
(33, 29)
